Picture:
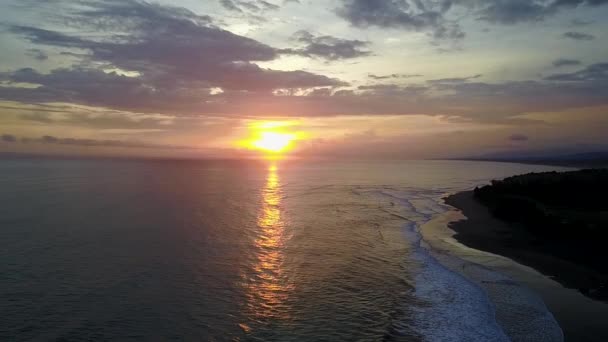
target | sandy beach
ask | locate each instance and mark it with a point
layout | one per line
(474, 235)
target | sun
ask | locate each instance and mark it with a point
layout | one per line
(275, 142)
(274, 139)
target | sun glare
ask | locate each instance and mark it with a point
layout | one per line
(271, 137)
(273, 141)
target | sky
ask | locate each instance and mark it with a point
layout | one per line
(344, 78)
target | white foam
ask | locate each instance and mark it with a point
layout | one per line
(454, 294)
(452, 308)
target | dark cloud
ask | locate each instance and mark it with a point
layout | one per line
(580, 23)
(465, 97)
(454, 79)
(384, 77)
(414, 15)
(49, 139)
(509, 12)
(381, 87)
(565, 62)
(329, 47)
(267, 5)
(8, 138)
(37, 54)
(101, 119)
(230, 5)
(578, 36)
(84, 86)
(148, 58)
(176, 59)
(155, 41)
(522, 96)
(576, 3)
(396, 90)
(47, 37)
(434, 15)
(98, 88)
(593, 73)
(253, 6)
(478, 101)
(250, 6)
(474, 100)
(514, 11)
(518, 137)
(176, 44)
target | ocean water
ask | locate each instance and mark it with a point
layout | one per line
(234, 251)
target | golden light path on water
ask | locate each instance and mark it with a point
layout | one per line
(269, 287)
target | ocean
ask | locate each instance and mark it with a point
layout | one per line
(237, 251)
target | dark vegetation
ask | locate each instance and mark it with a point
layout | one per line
(564, 213)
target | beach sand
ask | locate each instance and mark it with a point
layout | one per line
(481, 241)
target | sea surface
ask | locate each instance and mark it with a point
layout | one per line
(96, 250)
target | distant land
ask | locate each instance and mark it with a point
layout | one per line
(581, 160)
(556, 222)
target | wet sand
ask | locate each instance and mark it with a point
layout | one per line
(473, 232)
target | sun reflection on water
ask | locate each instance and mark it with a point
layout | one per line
(269, 287)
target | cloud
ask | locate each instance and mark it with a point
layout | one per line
(157, 37)
(8, 138)
(454, 79)
(479, 101)
(521, 96)
(267, 5)
(457, 96)
(580, 23)
(153, 59)
(518, 137)
(576, 3)
(230, 5)
(578, 36)
(509, 12)
(253, 6)
(329, 47)
(167, 45)
(53, 140)
(101, 119)
(98, 88)
(408, 15)
(82, 86)
(514, 11)
(37, 117)
(593, 73)
(37, 54)
(384, 77)
(436, 17)
(175, 59)
(391, 88)
(565, 62)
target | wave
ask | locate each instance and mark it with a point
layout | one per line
(458, 300)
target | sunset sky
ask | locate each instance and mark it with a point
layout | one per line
(343, 78)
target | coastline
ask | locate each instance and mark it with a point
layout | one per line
(481, 230)
(472, 234)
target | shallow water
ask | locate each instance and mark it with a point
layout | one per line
(289, 251)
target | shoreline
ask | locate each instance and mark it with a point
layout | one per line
(473, 234)
(510, 300)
